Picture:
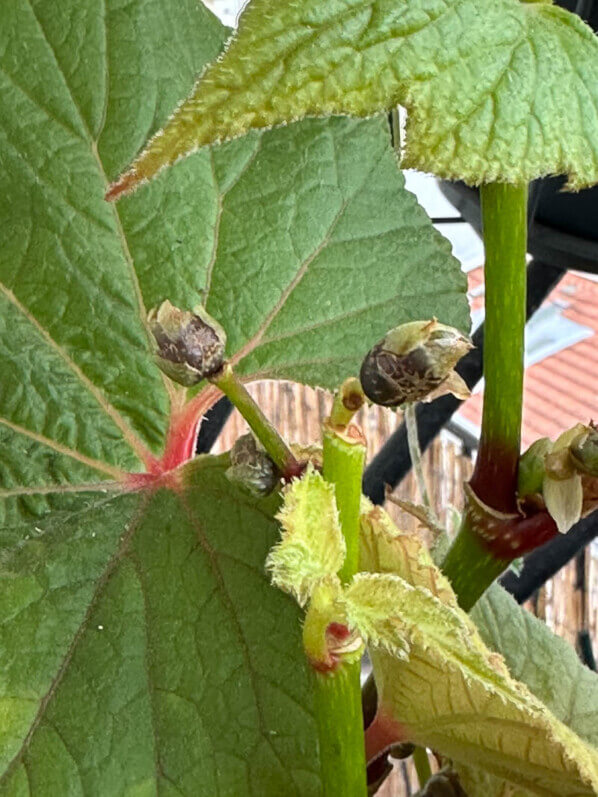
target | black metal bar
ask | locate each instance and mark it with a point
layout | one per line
(391, 464)
(586, 652)
(212, 424)
(544, 562)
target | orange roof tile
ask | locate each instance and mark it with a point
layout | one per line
(561, 389)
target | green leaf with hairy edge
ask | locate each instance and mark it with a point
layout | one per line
(545, 662)
(499, 90)
(143, 650)
(450, 692)
(110, 647)
(312, 547)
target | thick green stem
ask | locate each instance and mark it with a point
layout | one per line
(470, 563)
(470, 566)
(338, 693)
(275, 446)
(340, 731)
(344, 458)
(504, 217)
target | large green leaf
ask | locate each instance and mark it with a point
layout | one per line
(303, 243)
(495, 90)
(142, 649)
(545, 662)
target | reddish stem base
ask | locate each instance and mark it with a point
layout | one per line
(180, 443)
(382, 733)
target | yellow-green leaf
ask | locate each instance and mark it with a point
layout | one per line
(386, 549)
(312, 547)
(499, 90)
(454, 695)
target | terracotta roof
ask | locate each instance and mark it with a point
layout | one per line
(561, 389)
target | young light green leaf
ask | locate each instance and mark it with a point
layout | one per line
(386, 549)
(500, 90)
(389, 613)
(454, 695)
(312, 547)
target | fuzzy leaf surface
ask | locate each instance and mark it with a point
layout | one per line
(545, 662)
(312, 547)
(453, 694)
(499, 90)
(539, 658)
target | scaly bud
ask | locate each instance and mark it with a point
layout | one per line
(189, 346)
(251, 467)
(532, 468)
(415, 361)
(584, 451)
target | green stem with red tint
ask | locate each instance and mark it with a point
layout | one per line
(470, 563)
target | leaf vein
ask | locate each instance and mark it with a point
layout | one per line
(55, 683)
(109, 409)
(212, 557)
(111, 470)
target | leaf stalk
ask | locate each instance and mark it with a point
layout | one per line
(275, 446)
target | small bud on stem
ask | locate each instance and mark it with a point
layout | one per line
(275, 446)
(415, 362)
(349, 400)
(251, 467)
(584, 451)
(189, 346)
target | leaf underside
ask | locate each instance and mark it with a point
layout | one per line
(495, 91)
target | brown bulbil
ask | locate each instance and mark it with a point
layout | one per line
(251, 467)
(415, 361)
(189, 346)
